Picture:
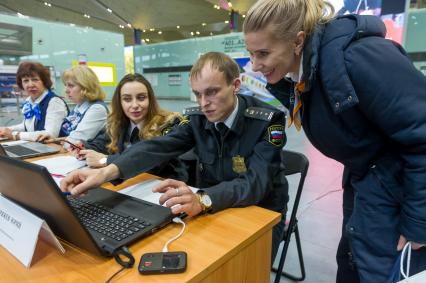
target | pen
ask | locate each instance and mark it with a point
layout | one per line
(66, 193)
(74, 145)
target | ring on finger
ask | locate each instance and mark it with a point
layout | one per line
(177, 192)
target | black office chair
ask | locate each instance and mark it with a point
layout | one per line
(294, 163)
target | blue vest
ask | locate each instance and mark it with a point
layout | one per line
(39, 124)
(70, 122)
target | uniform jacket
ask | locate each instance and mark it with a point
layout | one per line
(240, 170)
(364, 106)
(174, 168)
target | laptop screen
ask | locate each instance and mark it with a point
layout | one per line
(32, 187)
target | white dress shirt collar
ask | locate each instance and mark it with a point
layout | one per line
(297, 77)
(230, 120)
(82, 107)
(39, 99)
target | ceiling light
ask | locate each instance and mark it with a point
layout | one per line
(197, 32)
(226, 22)
(244, 16)
(109, 10)
(192, 33)
(229, 4)
(47, 4)
(121, 26)
(147, 39)
(203, 24)
(129, 25)
(160, 32)
(143, 30)
(178, 27)
(72, 25)
(87, 16)
(152, 29)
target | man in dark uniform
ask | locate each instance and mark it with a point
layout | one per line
(238, 140)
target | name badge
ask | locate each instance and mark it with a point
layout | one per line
(20, 230)
(238, 164)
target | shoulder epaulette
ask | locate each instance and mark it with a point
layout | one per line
(259, 113)
(193, 111)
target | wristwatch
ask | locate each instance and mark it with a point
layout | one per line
(205, 201)
(103, 161)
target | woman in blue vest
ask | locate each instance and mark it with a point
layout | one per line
(89, 116)
(360, 101)
(135, 115)
(43, 110)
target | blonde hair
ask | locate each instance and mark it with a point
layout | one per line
(285, 18)
(87, 80)
(219, 61)
(155, 123)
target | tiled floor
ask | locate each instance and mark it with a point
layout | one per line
(319, 211)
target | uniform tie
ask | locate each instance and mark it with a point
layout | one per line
(295, 115)
(134, 137)
(222, 129)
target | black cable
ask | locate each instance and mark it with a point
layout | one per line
(109, 279)
(129, 261)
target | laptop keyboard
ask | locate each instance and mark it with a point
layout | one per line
(20, 150)
(104, 221)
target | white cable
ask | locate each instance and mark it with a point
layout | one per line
(406, 248)
(175, 220)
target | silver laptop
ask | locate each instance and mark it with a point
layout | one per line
(27, 150)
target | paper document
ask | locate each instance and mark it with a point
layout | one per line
(144, 191)
(61, 165)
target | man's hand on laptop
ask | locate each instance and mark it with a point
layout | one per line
(179, 197)
(80, 181)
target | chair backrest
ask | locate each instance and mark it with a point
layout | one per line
(295, 162)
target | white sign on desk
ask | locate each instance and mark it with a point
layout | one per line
(20, 230)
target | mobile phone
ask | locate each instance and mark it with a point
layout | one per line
(74, 146)
(162, 263)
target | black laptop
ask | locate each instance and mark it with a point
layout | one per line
(99, 222)
(27, 150)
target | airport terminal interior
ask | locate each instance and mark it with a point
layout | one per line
(161, 39)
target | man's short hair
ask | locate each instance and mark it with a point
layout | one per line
(218, 61)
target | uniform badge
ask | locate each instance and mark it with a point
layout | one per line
(166, 131)
(184, 121)
(238, 165)
(276, 135)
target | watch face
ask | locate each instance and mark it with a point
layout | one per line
(206, 200)
(103, 161)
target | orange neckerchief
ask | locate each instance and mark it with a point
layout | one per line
(296, 117)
